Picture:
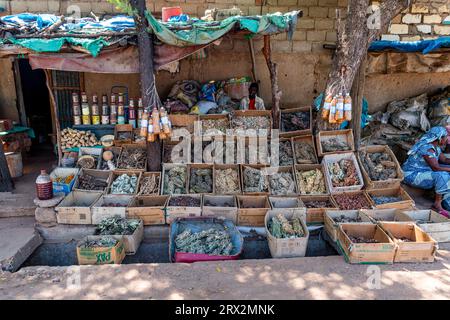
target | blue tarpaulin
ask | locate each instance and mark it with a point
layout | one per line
(424, 46)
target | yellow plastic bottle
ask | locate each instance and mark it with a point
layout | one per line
(348, 107)
(150, 131)
(340, 108)
(326, 107)
(331, 118)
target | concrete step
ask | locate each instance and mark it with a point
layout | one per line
(16, 205)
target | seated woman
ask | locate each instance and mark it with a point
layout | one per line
(423, 168)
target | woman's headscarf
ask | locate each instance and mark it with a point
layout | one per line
(435, 133)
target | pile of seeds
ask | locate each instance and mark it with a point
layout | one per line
(255, 180)
(293, 121)
(311, 182)
(351, 201)
(335, 144)
(215, 126)
(343, 173)
(184, 201)
(385, 199)
(282, 183)
(104, 241)
(211, 241)
(344, 219)
(89, 182)
(285, 155)
(227, 181)
(201, 180)
(117, 226)
(149, 185)
(378, 165)
(304, 152)
(282, 228)
(133, 158)
(175, 180)
(124, 184)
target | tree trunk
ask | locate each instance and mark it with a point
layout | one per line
(147, 77)
(276, 92)
(353, 40)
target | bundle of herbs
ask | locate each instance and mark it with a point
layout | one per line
(211, 241)
(282, 228)
(117, 226)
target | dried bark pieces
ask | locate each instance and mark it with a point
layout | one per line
(175, 180)
(343, 173)
(282, 183)
(311, 182)
(304, 152)
(294, 121)
(133, 158)
(149, 185)
(379, 166)
(255, 180)
(335, 144)
(227, 181)
(285, 155)
(282, 228)
(201, 180)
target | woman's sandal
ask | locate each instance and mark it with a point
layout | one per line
(442, 212)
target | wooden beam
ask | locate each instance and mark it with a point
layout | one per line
(276, 92)
(252, 55)
(6, 183)
(19, 94)
(357, 101)
(55, 112)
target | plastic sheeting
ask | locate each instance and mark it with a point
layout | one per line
(424, 46)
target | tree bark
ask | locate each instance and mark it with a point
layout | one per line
(353, 40)
(276, 92)
(147, 77)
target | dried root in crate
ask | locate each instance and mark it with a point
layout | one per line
(335, 144)
(282, 228)
(211, 241)
(133, 158)
(304, 152)
(379, 166)
(227, 181)
(255, 180)
(175, 180)
(124, 184)
(282, 183)
(89, 182)
(311, 182)
(149, 185)
(293, 121)
(71, 138)
(285, 155)
(351, 201)
(201, 180)
(343, 173)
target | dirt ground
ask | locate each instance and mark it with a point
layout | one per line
(297, 278)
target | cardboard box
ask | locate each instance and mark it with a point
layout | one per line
(406, 203)
(436, 225)
(220, 206)
(381, 184)
(304, 139)
(75, 208)
(331, 226)
(262, 167)
(315, 215)
(378, 215)
(341, 135)
(150, 209)
(286, 248)
(173, 212)
(101, 255)
(116, 173)
(128, 147)
(382, 252)
(131, 242)
(252, 210)
(98, 174)
(168, 166)
(333, 158)
(235, 167)
(288, 134)
(158, 181)
(62, 187)
(422, 247)
(308, 167)
(195, 166)
(99, 212)
(288, 169)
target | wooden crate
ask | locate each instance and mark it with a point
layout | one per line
(117, 173)
(149, 174)
(289, 134)
(150, 209)
(331, 226)
(214, 117)
(436, 225)
(307, 167)
(253, 113)
(273, 170)
(373, 184)
(282, 202)
(91, 151)
(220, 206)
(332, 158)
(101, 255)
(132, 146)
(382, 252)
(173, 212)
(224, 167)
(183, 121)
(137, 138)
(252, 210)
(193, 166)
(168, 166)
(363, 193)
(100, 174)
(422, 247)
(99, 212)
(340, 135)
(406, 203)
(121, 130)
(378, 215)
(116, 151)
(286, 248)
(264, 168)
(315, 215)
(75, 208)
(184, 150)
(305, 139)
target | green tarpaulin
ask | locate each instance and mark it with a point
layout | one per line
(202, 32)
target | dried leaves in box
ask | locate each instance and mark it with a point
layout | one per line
(379, 166)
(104, 242)
(311, 182)
(285, 155)
(175, 180)
(304, 152)
(282, 183)
(282, 228)
(227, 181)
(255, 180)
(117, 226)
(343, 173)
(211, 241)
(200, 180)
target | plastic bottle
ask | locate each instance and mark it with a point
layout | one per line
(339, 108)
(113, 110)
(105, 110)
(44, 186)
(150, 131)
(164, 121)
(348, 107)
(326, 107)
(132, 114)
(144, 124)
(155, 117)
(331, 118)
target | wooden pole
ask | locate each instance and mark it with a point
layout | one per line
(252, 55)
(55, 112)
(6, 183)
(357, 99)
(146, 70)
(276, 92)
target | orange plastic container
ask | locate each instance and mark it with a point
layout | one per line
(168, 12)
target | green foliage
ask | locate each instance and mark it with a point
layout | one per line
(124, 6)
